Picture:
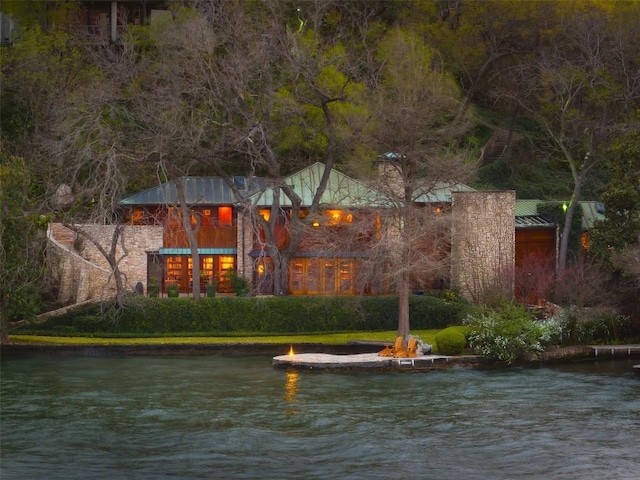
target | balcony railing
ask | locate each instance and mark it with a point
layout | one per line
(208, 237)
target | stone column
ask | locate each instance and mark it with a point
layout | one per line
(483, 244)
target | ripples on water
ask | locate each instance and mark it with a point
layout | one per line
(237, 417)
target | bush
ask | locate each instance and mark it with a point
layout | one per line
(292, 314)
(239, 284)
(451, 340)
(510, 333)
(594, 325)
(172, 291)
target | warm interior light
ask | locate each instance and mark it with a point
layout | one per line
(316, 224)
(265, 213)
(291, 354)
(225, 216)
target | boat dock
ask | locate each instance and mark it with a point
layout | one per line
(615, 350)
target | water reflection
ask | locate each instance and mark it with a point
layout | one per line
(291, 386)
(236, 417)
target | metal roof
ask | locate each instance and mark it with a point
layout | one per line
(341, 190)
(591, 211)
(527, 207)
(440, 192)
(198, 191)
(523, 221)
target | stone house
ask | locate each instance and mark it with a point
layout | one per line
(489, 237)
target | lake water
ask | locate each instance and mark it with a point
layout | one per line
(239, 418)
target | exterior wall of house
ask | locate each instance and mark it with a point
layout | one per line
(483, 244)
(536, 260)
(85, 273)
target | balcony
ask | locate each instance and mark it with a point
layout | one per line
(208, 237)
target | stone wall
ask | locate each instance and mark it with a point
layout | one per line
(84, 271)
(245, 244)
(483, 244)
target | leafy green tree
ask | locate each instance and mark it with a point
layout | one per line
(578, 92)
(21, 266)
(621, 198)
(37, 73)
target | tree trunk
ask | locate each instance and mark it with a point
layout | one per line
(191, 237)
(403, 305)
(566, 229)
(110, 256)
(113, 263)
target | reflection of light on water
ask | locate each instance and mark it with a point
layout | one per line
(291, 387)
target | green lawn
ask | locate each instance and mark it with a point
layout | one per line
(428, 336)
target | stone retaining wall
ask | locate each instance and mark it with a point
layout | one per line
(85, 273)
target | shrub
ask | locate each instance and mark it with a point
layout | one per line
(510, 333)
(451, 340)
(594, 325)
(239, 284)
(172, 290)
(292, 314)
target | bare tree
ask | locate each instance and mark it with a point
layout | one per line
(417, 117)
(282, 99)
(580, 91)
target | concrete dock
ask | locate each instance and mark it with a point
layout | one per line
(370, 361)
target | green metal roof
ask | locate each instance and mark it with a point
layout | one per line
(526, 208)
(198, 191)
(440, 192)
(341, 190)
(591, 211)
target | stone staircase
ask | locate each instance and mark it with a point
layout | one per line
(496, 146)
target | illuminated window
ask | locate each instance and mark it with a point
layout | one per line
(136, 215)
(335, 216)
(225, 216)
(584, 240)
(265, 213)
(227, 263)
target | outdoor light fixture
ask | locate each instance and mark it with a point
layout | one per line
(291, 354)
(564, 207)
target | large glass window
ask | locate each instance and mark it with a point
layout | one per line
(225, 216)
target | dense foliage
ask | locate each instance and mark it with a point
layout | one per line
(21, 239)
(511, 332)
(221, 315)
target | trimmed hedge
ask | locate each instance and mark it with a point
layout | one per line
(451, 340)
(218, 315)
